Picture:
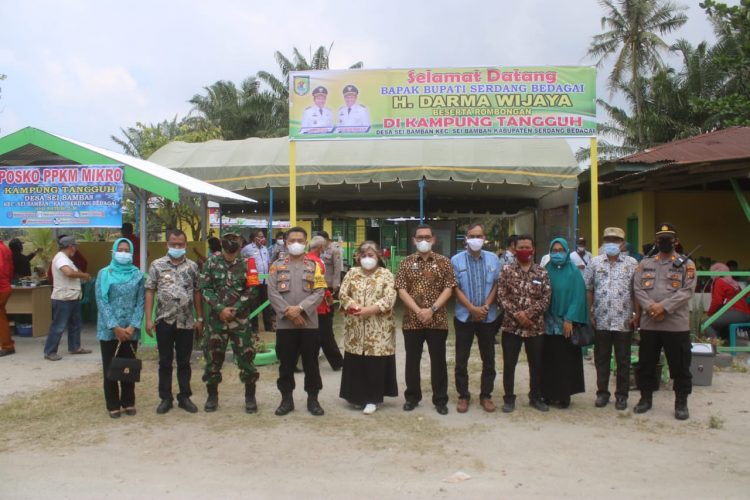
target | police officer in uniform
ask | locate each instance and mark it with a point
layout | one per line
(352, 114)
(663, 287)
(296, 285)
(318, 115)
(231, 298)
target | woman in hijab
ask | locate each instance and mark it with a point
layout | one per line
(563, 361)
(724, 289)
(119, 297)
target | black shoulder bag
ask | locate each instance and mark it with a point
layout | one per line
(124, 369)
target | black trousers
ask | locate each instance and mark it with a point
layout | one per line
(171, 340)
(117, 394)
(414, 344)
(485, 333)
(677, 348)
(291, 344)
(328, 341)
(534, 351)
(604, 341)
(267, 313)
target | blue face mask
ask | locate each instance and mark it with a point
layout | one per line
(558, 258)
(123, 257)
(611, 249)
(176, 253)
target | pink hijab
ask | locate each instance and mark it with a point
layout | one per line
(719, 267)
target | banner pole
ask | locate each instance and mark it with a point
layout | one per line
(292, 183)
(594, 180)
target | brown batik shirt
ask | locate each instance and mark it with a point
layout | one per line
(527, 291)
(424, 279)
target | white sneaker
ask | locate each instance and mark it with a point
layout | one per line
(370, 409)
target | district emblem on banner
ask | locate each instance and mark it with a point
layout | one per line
(301, 85)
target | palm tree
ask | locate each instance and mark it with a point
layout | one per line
(278, 92)
(633, 34)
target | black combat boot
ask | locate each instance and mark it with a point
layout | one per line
(250, 405)
(286, 405)
(212, 402)
(680, 407)
(313, 406)
(644, 404)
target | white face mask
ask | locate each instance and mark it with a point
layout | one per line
(368, 263)
(280, 243)
(296, 248)
(424, 246)
(475, 244)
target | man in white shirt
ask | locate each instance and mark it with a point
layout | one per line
(66, 302)
(258, 251)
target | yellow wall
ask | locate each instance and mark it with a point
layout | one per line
(713, 219)
(328, 227)
(360, 230)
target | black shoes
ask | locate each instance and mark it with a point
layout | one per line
(250, 405)
(164, 406)
(7, 352)
(186, 405)
(602, 400)
(621, 403)
(538, 404)
(212, 402)
(409, 406)
(442, 409)
(680, 408)
(286, 406)
(643, 405)
(314, 407)
(509, 404)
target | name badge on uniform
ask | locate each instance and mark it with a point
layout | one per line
(536, 282)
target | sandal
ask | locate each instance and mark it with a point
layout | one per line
(114, 414)
(130, 411)
(80, 350)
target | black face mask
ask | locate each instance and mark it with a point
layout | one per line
(665, 245)
(230, 246)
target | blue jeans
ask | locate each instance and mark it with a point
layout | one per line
(65, 314)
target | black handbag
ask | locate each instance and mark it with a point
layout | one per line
(583, 335)
(124, 369)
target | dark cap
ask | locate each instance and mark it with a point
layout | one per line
(351, 89)
(67, 241)
(324, 234)
(320, 90)
(665, 228)
(581, 240)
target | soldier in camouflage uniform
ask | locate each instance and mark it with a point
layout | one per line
(223, 284)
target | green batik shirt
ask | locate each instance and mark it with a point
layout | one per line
(223, 284)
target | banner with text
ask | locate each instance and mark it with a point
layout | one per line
(61, 196)
(438, 103)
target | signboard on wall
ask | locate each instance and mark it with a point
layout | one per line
(533, 101)
(61, 196)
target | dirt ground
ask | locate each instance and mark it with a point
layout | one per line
(59, 442)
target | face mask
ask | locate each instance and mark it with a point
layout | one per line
(424, 246)
(368, 263)
(524, 255)
(230, 246)
(261, 242)
(665, 245)
(123, 257)
(580, 249)
(611, 249)
(176, 253)
(296, 248)
(557, 258)
(280, 243)
(475, 244)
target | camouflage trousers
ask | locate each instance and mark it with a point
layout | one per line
(243, 344)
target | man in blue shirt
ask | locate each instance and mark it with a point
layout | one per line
(477, 272)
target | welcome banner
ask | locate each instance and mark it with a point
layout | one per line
(533, 101)
(61, 196)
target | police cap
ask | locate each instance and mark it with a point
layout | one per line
(665, 229)
(351, 89)
(320, 91)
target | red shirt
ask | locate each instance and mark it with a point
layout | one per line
(6, 268)
(136, 241)
(323, 308)
(722, 293)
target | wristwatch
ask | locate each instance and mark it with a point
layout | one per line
(199, 320)
(433, 308)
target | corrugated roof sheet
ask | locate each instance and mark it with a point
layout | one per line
(722, 145)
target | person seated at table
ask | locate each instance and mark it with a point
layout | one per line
(21, 262)
(723, 290)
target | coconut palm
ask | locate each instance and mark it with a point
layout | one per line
(633, 35)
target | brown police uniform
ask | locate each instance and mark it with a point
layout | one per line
(661, 280)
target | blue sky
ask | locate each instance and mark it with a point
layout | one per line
(85, 68)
